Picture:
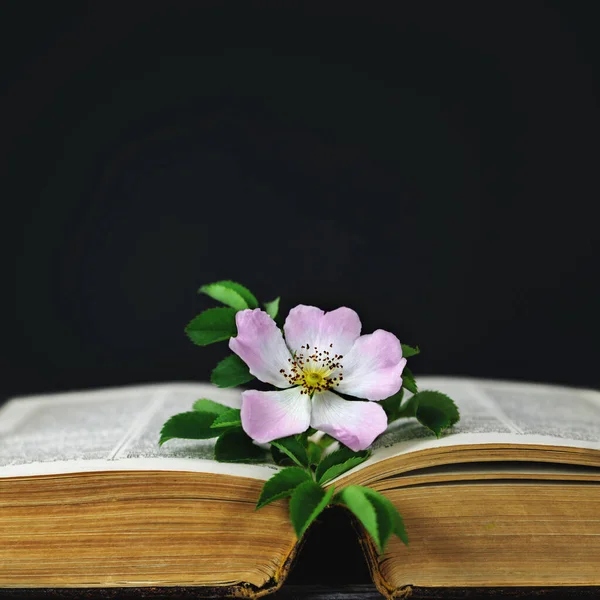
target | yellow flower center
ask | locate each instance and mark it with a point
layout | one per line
(315, 370)
(313, 378)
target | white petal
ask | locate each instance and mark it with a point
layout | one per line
(334, 331)
(373, 367)
(268, 416)
(354, 423)
(259, 343)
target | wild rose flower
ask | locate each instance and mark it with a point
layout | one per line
(322, 352)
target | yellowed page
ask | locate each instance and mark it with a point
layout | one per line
(110, 429)
(500, 412)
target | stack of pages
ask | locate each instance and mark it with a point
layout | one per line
(508, 497)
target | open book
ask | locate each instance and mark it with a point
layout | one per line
(508, 497)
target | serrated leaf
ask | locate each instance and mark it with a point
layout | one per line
(308, 501)
(357, 501)
(231, 418)
(272, 308)
(306, 434)
(293, 448)
(248, 297)
(205, 405)
(409, 408)
(314, 452)
(384, 518)
(326, 441)
(190, 426)
(231, 371)
(408, 351)
(397, 524)
(339, 458)
(391, 405)
(380, 520)
(408, 380)
(225, 295)
(234, 445)
(337, 470)
(212, 325)
(280, 458)
(436, 411)
(282, 484)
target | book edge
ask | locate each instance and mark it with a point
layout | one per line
(455, 592)
(241, 590)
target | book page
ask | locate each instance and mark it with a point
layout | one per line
(497, 412)
(114, 429)
(118, 429)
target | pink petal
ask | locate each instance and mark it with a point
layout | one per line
(373, 367)
(260, 345)
(310, 325)
(356, 424)
(267, 416)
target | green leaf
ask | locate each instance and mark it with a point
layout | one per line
(282, 484)
(228, 419)
(205, 405)
(409, 408)
(339, 462)
(377, 513)
(306, 434)
(357, 501)
(280, 458)
(391, 405)
(293, 448)
(307, 503)
(272, 307)
(314, 453)
(246, 295)
(408, 351)
(408, 380)
(326, 441)
(384, 518)
(190, 426)
(396, 520)
(231, 371)
(212, 325)
(225, 295)
(436, 411)
(234, 445)
(337, 470)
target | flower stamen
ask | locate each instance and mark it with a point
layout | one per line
(315, 370)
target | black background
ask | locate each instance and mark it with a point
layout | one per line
(433, 167)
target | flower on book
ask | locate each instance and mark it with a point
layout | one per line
(330, 379)
(323, 353)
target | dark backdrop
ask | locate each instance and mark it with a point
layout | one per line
(434, 168)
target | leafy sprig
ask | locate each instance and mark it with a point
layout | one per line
(309, 462)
